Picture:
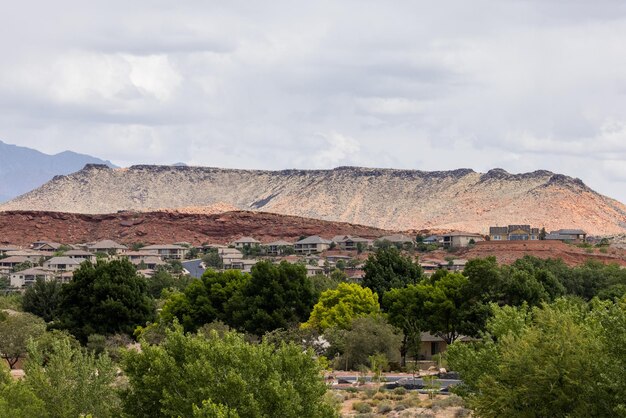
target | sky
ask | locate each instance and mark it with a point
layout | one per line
(519, 85)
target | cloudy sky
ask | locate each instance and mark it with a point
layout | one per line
(521, 85)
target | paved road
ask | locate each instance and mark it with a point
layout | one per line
(443, 383)
(193, 267)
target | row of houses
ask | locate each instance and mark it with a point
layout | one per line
(527, 233)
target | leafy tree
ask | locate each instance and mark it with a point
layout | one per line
(341, 265)
(22, 266)
(338, 307)
(446, 307)
(548, 361)
(388, 268)
(195, 375)
(205, 300)
(15, 331)
(366, 336)
(42, 299)
(162, 279)
(72, 382)
(322, 282)
(276, 296)
(542, 234)
(405, 310)
(213, 260)
(105, 298)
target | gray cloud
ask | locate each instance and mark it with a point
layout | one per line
(523, 85)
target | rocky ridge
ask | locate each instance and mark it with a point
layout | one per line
(386, 198)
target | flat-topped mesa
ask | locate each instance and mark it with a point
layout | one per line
(395, 199)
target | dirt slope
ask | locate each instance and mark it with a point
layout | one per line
(23, 228)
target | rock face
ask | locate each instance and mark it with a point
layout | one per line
(163, 227)
(391, 199)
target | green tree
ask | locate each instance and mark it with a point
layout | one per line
(42, 299)
(205, 300)
(366, 336)
(338, 307)
(405, 310)
(71, 382)
(387, 268)
(548, 361)
(213, 260)
(16, 329)
(105, 298)
(276, 296)
(446, 307)
(213, 376)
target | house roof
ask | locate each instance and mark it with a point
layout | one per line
(314, 239)
(498, 230)
(462, 234)
(396, 238)
(16, 259)
(62, 260)
(150, 260)
(53, 245)
(35, 271)
(246, 240)
(280, 243)
(163, 247)
(106, 245)
(77, 253)
(570, 232)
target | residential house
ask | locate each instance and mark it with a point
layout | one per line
(169, 252)
(460, 239)
(433, 239)
(397, 239)
(453, 265)
(568, 235)
(351, 243)
(513, 233)
(151, 263)
(432, 345)
(80, 255)
(277, 247)
(5, 248)
(312, 244)
(7, 264)
(29, 276)
(239, 264)
(107, 246)
(246, 242)
(31, 255)
(429, 267)
(313, 270)
(62, 264)
(140, 255)
(47, 246)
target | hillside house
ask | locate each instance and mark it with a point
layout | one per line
(351, 243)
(397, 239)
(246, 242)
(80, 255)
(61, 264)
(8, 264)
(107, 246)
(568, 235)
(513, 233)
(151, 262)
(47, 246)
(29, 276)
(460, 239)
(239, 264)
(31, 255)
(431, 345)
(277, 247)
(311, 245)
(168, 251)
(7, 248)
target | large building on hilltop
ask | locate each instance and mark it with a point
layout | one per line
(513, 233)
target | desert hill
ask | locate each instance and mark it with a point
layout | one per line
(392, 199)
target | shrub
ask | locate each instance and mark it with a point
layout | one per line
(400, 390)
(449, 401)
(385, 407)
(362, 407)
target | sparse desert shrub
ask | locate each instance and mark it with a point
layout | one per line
(462, 413)
(449, 401)
(352, 390)
(369, 392)
(400, 390)
(380, 396)
(362, 407)
(384, 408)
(399, 407)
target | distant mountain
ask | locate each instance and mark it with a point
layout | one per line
(24, 169)
(391, 199)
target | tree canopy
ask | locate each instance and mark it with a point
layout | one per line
(338, 307)
(387, 268)
(104, 298)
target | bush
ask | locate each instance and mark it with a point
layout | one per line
(400, 390)
(385, 407)
(362, 407)
(449, 401)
